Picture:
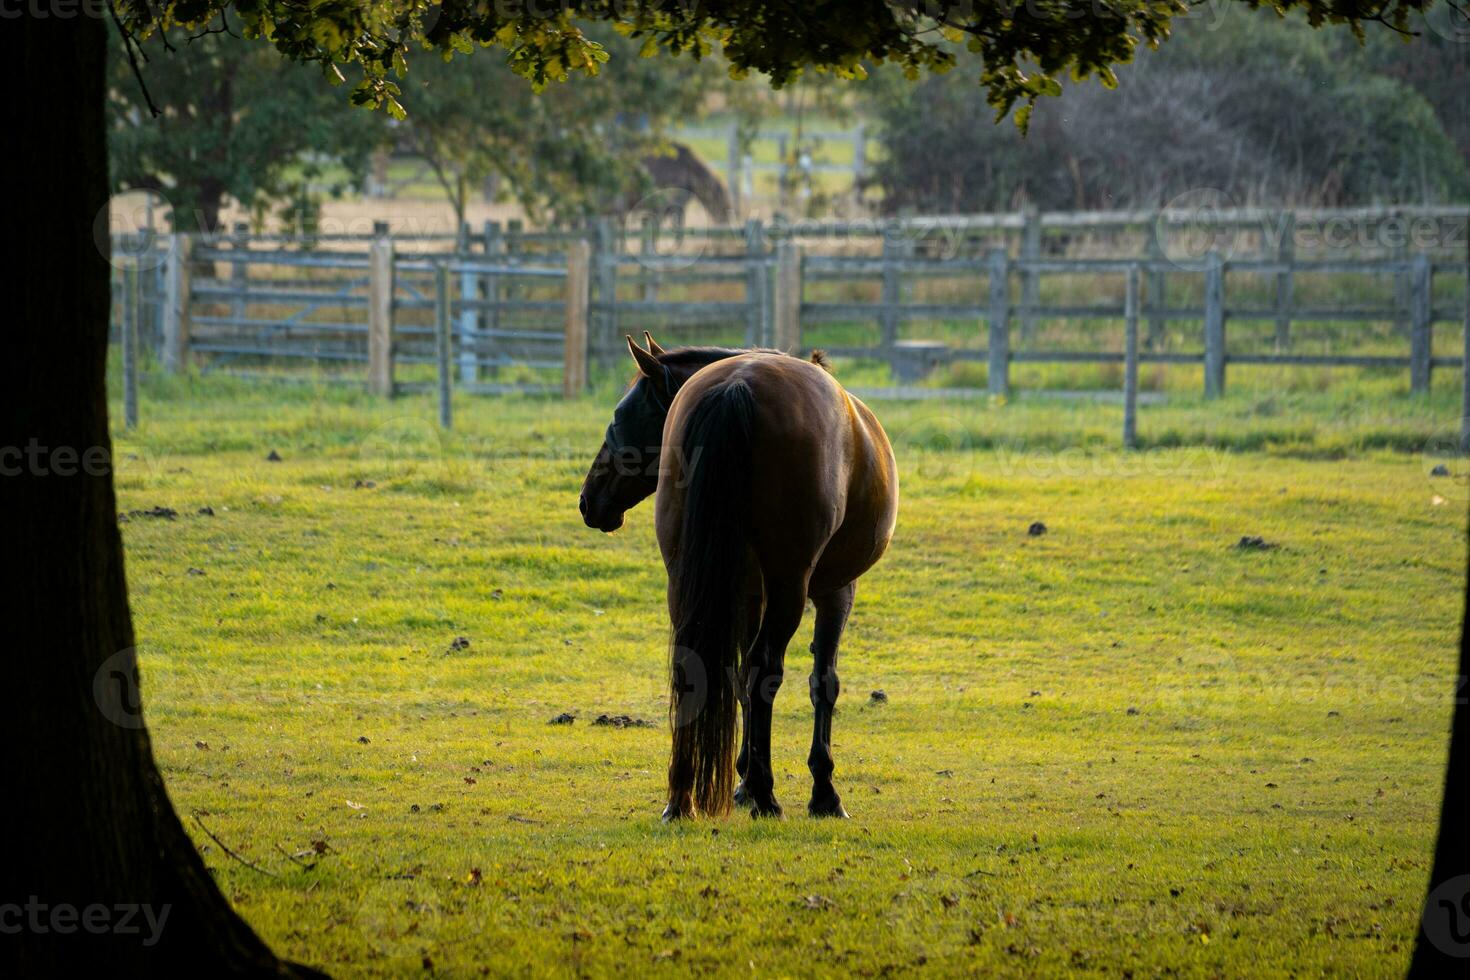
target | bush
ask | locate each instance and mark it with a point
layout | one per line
(1259, 107)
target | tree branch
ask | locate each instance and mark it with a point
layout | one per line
(129, 43)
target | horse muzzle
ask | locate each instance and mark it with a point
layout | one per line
(598, 516)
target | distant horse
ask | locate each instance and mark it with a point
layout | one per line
(683, 172)
(774, 486)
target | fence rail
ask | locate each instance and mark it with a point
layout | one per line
(552, 302)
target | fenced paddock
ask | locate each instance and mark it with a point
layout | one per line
(356, 627)
(513, 310)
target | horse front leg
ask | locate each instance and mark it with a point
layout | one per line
(832, 611)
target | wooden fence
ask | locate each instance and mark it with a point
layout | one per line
(552, 301)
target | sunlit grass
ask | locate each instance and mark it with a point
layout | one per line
(1124, 745)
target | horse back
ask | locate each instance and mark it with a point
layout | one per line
(823, 484)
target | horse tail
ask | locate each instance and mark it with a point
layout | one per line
(705, 601)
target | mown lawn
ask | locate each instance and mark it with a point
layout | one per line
(1125, 746)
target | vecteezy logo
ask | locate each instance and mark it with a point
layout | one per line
(115, 689)
(690, 684)
(1446, 918)
(1199, 688)
(1450, 21)
(933, 446)
(673, 247)
(1193, 225)
(124, 231)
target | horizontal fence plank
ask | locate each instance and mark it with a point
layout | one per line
(268, 350)
(506, 269)
(826, 312)
(268, 296)
(710, 308)
(537, 336)
(1313, 313)
(490, 305)
(1320, 360)
(245, 323)
(847, 267)
(706, 266)
(284, 257)
(485, 387)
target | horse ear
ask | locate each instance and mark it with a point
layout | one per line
(653, 347)
(648, 364)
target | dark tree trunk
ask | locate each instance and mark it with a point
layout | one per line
(1442, 947)
(91, 825)
(211, 201)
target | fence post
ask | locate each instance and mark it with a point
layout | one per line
(149, 306)
(1286, 280)
(1130, 361)
(1030, 279)
(756, 327)
(442, 314)
(574, 350)
(787, 304)
(380, 312)
(175, 353)
(1465, 366)
(605, 271)
(859, 158)
(514, 245)
(1158, 323)
(1421, 325)
(490, 289)
(1403, 285)
(469, 314)
(891, 293)
(239, 271)
(130, 346)
(647, 246)
(783, 172)
(732, 170)
(1214, 325)
(999, 370)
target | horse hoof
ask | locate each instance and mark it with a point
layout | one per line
(827, 808)
(763, 810)
(671, 814)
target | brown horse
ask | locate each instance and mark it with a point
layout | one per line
(774, 486)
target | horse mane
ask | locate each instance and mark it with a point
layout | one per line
(704, 356)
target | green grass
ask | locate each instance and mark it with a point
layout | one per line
(1122, 746)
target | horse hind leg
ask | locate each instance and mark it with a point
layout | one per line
(764, 670)
(832, 611)
(742, 761)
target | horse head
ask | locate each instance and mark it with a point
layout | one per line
(625, 469)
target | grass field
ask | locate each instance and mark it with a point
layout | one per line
(1124, 747)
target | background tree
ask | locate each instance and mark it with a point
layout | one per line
(1436, 65)
(567, 153)
(239, 120)
(91, 820)
(1205, 110)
